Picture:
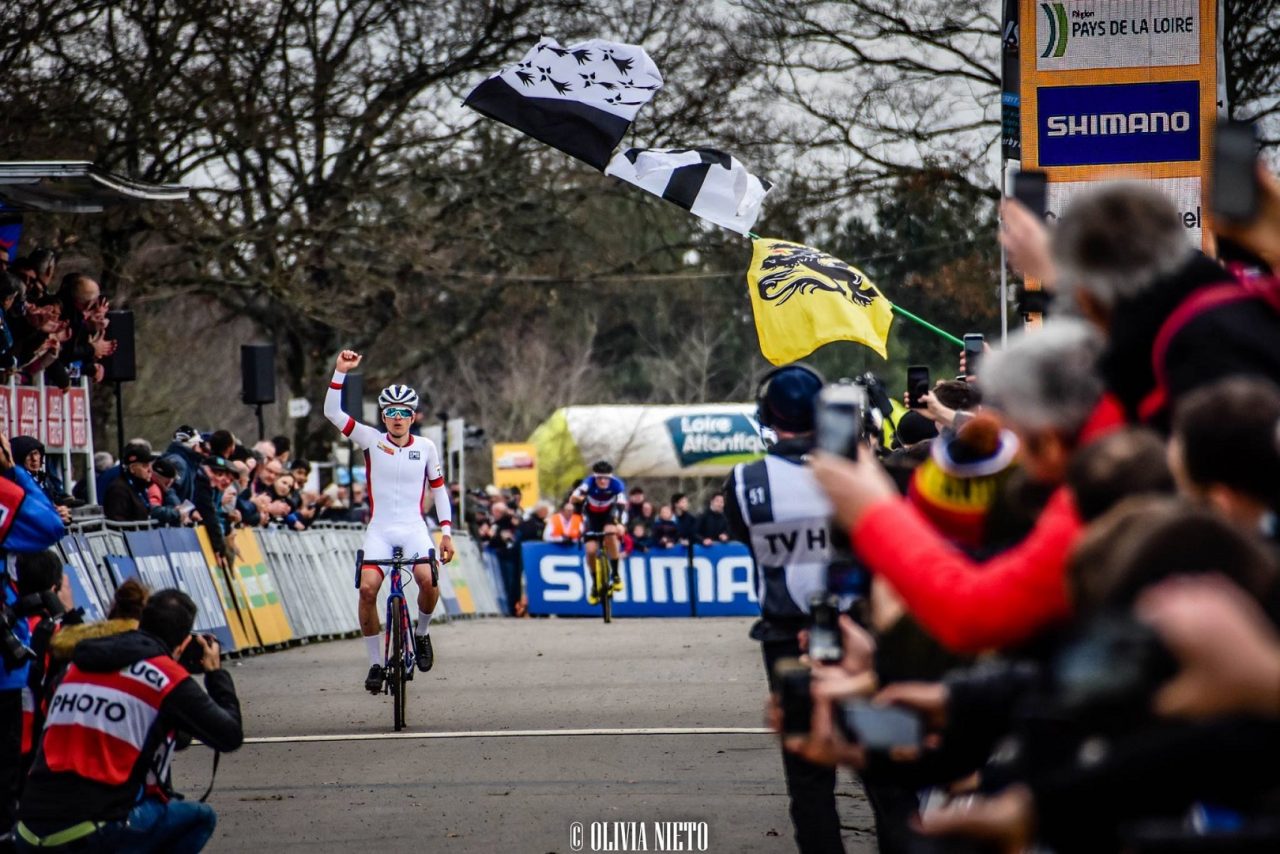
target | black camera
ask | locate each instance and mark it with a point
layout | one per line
(1107, 677)
(192, 657)
(13, 651)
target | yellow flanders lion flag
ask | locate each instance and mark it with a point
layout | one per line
(803, 298)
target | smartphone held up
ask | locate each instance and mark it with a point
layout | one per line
(1233, 191)
(917, 385)
(973, 347)
(841, 418)
(825, 644)
(1031, 188)
(795, 695)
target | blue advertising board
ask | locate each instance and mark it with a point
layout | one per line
(122, 568)
(1119, 123)
(148, 553)
(94, 580)
(657, 583)
(191, 572)
(82, 593)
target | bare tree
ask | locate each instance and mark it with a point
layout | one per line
(869, 90)
(1251, 48)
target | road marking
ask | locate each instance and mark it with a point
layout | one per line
(510, 733)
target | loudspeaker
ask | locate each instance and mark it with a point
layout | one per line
(353, 395)
(120, 366)
(257, 373)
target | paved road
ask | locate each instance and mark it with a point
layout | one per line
(518, 792)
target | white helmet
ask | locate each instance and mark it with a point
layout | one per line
(398, 395)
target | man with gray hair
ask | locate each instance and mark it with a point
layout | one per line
(1044, 383)
(1175, 319)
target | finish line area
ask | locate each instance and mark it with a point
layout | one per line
(497, 733)
(521, 729)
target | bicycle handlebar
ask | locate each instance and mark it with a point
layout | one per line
(404, 561)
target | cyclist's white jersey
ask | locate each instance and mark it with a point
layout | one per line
(397, 479)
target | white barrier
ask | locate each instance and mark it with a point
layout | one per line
(313, 572)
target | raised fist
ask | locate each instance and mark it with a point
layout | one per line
(348, 360)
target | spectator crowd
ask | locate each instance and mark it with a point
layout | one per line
(1070, 636)
(57, 330)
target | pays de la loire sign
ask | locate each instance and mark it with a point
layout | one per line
(1074, 35)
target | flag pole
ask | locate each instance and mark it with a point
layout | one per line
(927, 325)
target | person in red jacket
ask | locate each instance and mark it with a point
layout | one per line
(1045, 387)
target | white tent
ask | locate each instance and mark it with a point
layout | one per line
(698, 440)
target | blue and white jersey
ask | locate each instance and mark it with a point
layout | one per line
(600, 500)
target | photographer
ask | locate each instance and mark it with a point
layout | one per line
(101, 777)
(31, 524)
(776, 507)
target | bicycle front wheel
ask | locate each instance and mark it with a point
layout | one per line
(396, 675)
(604, 585)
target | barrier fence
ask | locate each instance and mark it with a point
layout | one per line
(283, 586)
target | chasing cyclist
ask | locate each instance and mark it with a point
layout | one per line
(398, 468)
(604, 498)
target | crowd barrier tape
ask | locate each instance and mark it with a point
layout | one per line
(285, 585)
(655, 583)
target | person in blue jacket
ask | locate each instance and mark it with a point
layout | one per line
(28, 523)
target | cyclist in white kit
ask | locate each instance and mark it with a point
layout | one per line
(399, 467)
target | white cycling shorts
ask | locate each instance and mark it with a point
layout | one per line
(380, 540)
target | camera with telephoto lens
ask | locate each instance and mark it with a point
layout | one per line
(1108, 675)
(192, 657)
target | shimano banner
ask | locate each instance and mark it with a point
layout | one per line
(1120, 90)
(657, 583)
(1124, 123)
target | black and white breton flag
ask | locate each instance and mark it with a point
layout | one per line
(707, 183)
(580, 99)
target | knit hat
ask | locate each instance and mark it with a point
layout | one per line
(956, 487)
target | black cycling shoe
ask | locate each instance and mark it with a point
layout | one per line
(373, 682)
(423, 652)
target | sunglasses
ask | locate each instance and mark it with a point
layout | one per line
(398, 412)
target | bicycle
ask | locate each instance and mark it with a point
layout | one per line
(600, 572)
(399, 655)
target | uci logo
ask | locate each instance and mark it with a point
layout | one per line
(415, 455)
(149, 674)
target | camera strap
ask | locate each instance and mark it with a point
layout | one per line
(213, 775)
